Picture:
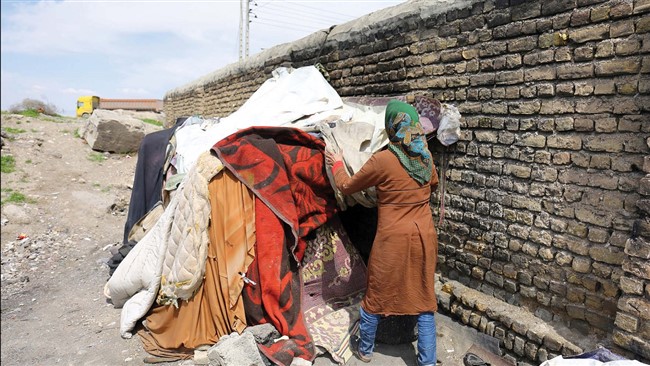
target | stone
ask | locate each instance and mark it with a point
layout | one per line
(16, 214)
(113, 132)
(263, 333)
(235, 349)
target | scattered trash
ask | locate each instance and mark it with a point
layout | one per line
(22, 236)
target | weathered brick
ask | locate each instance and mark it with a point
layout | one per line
(627, 47)
(556, 6)
(494, 108)
(517, 171)
(595, 33)
(561, 158)
(621, 29)
(580, 17)
(609, 254)
(564, 89)
(526, 108)
(643, 25)
(496, 18)
(532, 140)
(584, 89)
(492, 49)
(584, 124)
(599, 14)
(593, 105)
(628, 88)
(641, 6)
(564, 142)
(522, 44)
(627, 322)
(620, 10)
(597, 235)
(635, 306)
(562, 55)
(638, 247)
(557, 106)
(510, 77)
(544, 174)
(631, 285)
(630, 123)
(575, 71)
(581, 264)
(604, 143)
(605, 88)
(605, 49)
(605, 124)
(591, 216)
(585, 53)
(541, 73)
(486, 136)
(599, 162)
(525, 11)
(618, 67)
(542, 157)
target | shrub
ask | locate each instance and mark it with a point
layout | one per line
(8, 164)
(33, 107)
(152, 122)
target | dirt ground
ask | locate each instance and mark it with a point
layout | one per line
(74, 208)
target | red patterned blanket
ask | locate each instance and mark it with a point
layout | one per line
(285, 169)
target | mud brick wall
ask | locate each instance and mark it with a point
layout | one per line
(546, 203)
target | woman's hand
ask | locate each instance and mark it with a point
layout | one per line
(331, 158)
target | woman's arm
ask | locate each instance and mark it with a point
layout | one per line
(369, 175)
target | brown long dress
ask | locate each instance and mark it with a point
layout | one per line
(217, 308)
(402, 263)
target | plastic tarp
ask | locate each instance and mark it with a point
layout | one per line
(281, 100)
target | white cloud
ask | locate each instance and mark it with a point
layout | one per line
(134, 92)
(105, 27)
(76, 91)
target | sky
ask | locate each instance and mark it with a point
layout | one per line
(56, 51)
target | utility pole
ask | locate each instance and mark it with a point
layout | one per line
(241, 29)
(248, 23)
(244, 18)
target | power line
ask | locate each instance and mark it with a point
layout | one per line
(318, 14)
(271, 13)
(345, 16)
(285, 26)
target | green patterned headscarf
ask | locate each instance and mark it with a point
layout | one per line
(407, 140)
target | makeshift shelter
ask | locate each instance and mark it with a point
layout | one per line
(250, 231)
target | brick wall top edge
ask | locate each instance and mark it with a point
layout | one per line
(366, 24)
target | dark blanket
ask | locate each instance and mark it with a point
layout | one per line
(147, 186)
(285, 169)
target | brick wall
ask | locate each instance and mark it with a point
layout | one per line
(546, 196)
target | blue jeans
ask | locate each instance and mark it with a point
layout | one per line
(426, 336)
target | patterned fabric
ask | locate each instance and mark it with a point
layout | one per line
(334, 280)
(407, 140)
(285, 169)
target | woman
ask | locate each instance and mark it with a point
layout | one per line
(402, 262)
